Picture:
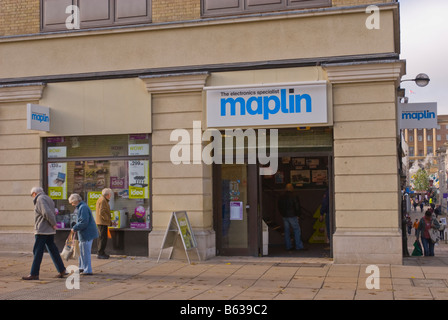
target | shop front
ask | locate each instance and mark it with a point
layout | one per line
(136, 109)
(285, 137)
(90, 147)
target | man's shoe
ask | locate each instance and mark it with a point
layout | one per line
(103, 256)
(86, 274)
(61, 274)
(30, 277)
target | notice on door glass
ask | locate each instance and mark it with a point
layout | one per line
(236, 210)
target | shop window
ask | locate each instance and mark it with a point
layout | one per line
(94, 13)
(227, 7)
(88, 164)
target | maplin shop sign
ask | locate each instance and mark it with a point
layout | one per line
(292, 104)
(417, 115)
(38, 117)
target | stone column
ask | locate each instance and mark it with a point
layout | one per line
(176, 103)
(367, 191)
(20, 166)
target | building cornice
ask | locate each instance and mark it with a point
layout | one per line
(21, 92)
(169, 83)
(365, 71)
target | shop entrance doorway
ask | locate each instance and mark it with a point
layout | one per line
(245, 204)
(236, 209)
(311, 177)
(247, 219)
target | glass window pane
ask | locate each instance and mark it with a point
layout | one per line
(86, 165)
(98, 146)
(234, 201)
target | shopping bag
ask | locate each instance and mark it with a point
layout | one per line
(434, 234)
(69, 248)
(76, 252)
(417, 249)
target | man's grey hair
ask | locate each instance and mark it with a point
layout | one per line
(75, 197)
(36, 190)
(107, 191)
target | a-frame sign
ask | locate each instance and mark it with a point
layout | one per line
(179, 225)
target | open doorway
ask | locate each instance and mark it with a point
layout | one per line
(311, 178)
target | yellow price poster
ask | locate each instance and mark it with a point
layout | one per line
(92, 198)
(57, 183)
(139, 179)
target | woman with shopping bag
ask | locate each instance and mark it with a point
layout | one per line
(426, 226)
(87, 232)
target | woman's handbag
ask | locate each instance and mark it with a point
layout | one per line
(71, 248)
(434, 234)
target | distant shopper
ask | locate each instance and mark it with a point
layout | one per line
(424, 226)
(103, 221)
(415, 226)
(87, 232)
(442, 230)
(44, 231)
(438, 210)
(290, 209)
(409, 224)
(421, 206)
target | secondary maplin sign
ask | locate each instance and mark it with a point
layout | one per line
(417, 115)
(293, 104)
(38, 117)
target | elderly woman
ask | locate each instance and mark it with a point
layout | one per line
(87, 232)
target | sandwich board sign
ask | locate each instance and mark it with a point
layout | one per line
(179, 225)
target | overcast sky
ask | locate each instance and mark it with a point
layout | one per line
(424, 46)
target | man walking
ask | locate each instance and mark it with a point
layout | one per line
(44, 231)
(103, 221)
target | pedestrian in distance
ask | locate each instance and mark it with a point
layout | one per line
(44, 231)
(424, 226)
(421, 206)
(103, 221)
(415, 226)
(87, 232)
(290, 209)
(409, 224)
(442, 230)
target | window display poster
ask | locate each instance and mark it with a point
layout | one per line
(57, 152)
(57, 183)
(139, 179)
(92, 198)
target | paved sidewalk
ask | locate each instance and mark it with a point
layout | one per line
(223, 278)
(230, 279)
